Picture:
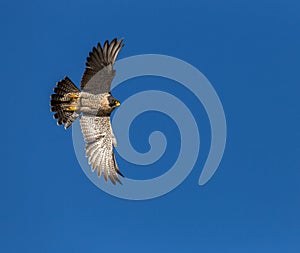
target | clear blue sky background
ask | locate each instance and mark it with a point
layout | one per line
(249, 50)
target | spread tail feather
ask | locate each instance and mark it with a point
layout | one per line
(64, 102)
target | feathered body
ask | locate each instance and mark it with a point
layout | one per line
(93, 104)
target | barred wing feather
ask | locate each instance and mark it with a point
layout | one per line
(99, 140)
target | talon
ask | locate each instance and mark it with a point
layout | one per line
(71, 109)
(73, 95)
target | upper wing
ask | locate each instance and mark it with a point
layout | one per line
(99, 73)
(99, 140)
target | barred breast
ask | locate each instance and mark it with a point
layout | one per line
(90, 103)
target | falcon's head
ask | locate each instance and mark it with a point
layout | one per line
(113, 102)
(109, 103)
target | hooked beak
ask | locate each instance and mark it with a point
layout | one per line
(117, 103)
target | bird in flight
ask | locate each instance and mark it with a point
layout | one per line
(93, 104)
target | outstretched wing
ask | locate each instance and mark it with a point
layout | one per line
(99, 73)
(99, 140)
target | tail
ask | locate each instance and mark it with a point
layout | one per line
(64, 102)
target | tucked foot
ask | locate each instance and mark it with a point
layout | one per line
(73, 95)
(71, 109)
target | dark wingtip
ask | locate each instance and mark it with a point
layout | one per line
(119, 172)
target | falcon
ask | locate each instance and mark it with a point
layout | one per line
(93, 104)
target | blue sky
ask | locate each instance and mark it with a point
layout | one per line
(249, 50)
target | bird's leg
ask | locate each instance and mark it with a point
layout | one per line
(71, 108)
(73, 95)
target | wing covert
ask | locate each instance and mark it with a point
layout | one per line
(99, 73)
